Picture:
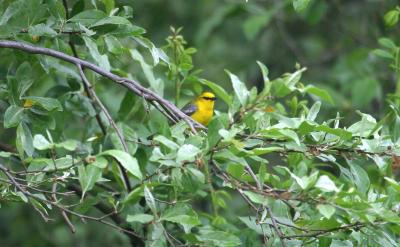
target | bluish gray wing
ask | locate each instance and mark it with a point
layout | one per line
(189, 109)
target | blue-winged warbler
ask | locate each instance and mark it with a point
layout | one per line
(202, 108)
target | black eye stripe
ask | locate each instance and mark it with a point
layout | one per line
(209, 98)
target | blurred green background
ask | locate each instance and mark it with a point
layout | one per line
(334, 39)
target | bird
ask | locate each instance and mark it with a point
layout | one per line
(201, 109)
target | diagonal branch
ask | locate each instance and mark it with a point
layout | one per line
(94, 96)
(132, 85)
(63, 213)
(75, 53)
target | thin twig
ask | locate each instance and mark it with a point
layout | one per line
(82, 216)
(93, 96)
(88, 93)
(110, 120)
(323, 232)
(7, 148)
(276, 227)
(63, 213)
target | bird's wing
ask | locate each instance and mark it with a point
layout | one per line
(189, 109)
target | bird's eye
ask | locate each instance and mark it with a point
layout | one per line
(209, 98)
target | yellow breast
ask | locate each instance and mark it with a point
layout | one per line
(204, 113)
(203, 116)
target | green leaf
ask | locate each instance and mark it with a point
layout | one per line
(11, 10)
(292, 79)
(61, 163)
(114, 45)
(252, 223)
(49, 104)
(187, 152)
(24, 140)
(291, 135)
(361, 178)
(114, 20)
(100, 162)
(326, 210)
(42, 30)
(387, 43)
(300, 5)
(267, 150)
(256, 198)
(181, 214)
(236, 170)
(166, 142)
(393, 183)
(88, 17)
(134, 196)
(41, 143)
(323, 94)
(313, 112)
(23, 75)
(343, 134)
(279, 88)
(240, 88)
(8, 31)
(213, 127)
(383, 53)
(5, 154)
(340, 243)
(101, 60)
(307, 127)
(156, 53)
(392, 17)
(69, 145)
(88, 176)
(128, 134)
(151, 203)
(13, 116)
(325, 184)
(267, 82)
(363, 127)
(218, 238)
(126, 160)
(218, 90)
(109, 4)
(141, 218)
(156, 84)
(304, 182)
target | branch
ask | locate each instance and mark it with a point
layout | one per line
(7, 148)
(73, 49)
(135, 240)
(323, 232)
(94, 96)
(130, 84)
(63, 213)
(60, 31)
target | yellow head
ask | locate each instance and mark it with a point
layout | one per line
(207, 97)
(206, 100)
(205, 108)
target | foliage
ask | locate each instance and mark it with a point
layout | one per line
(268, 170)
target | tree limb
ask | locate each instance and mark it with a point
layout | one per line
(130, 84)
